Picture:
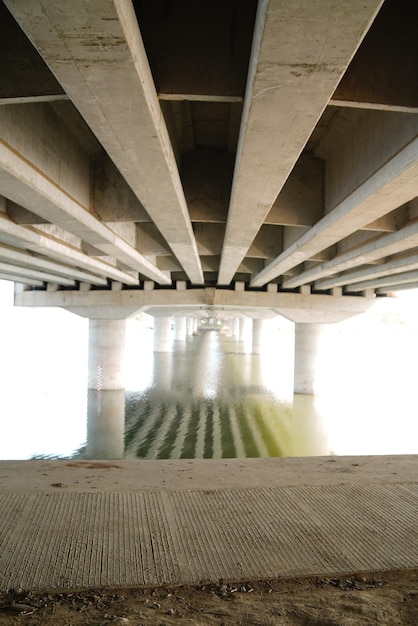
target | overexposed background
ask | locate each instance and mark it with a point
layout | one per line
(367, 378)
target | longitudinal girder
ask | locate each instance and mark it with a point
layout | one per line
(215, 143)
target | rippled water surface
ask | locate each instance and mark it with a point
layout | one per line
(209, 399)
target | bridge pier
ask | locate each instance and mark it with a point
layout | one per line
(307, 340)
(162, 373)
(162, 334)
(190, 326)
(244, 323)
(258, 324)
(234, 328)
(106, 354)
(180, 329)
(106, 389)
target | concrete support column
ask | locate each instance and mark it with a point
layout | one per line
(189, 326)
(195, 325)
(307, 339)
(257, 335)
(180, 329)
(162, 334)
(106, 354)
(162, 375)
(234, 327)
(244, 328)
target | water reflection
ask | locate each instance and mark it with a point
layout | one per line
(105, 424)
(309, 432)
(215, 405)
(212, 398)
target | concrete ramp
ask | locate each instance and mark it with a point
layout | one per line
(77, 540)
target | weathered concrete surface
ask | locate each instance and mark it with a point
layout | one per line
(57, 189)
(81, 524)
(369, 277)
(131, 129)
(295, 75)
(106, 350)
(307, 340)
(206, 143)
(364, 196)
(298, 307)
(398, 241)
(33, 241)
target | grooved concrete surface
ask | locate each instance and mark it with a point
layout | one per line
(68, 539)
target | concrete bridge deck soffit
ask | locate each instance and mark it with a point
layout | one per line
(268, 144)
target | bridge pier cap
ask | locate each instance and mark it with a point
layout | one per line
(204, 302)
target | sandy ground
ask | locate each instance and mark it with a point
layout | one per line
(93, 476)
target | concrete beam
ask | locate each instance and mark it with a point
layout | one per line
(86, 55)
(300, 202)
(374, 106)
(207, 179)
(196, 97)
(57, 189)
(358, 144)
(20, 215)
(16, 278)
(26, 185)
(300, 51)
(33, 99)
(387, 291)
(209, 238)
(397, 266)
(387, 245)
(20, 237)
(150, 240)
(386, 281)
(267, 243)
(113, 200)
(390, 222)
(27, 272)
(393, 183)
(181, 127)
(169, 263)
(356, 240)
(25, 259)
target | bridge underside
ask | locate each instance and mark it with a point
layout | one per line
(157, 150)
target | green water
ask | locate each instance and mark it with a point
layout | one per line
(208, 400)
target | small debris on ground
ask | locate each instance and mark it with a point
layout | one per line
(385, 599)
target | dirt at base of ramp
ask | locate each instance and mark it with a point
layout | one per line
(384, 599)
